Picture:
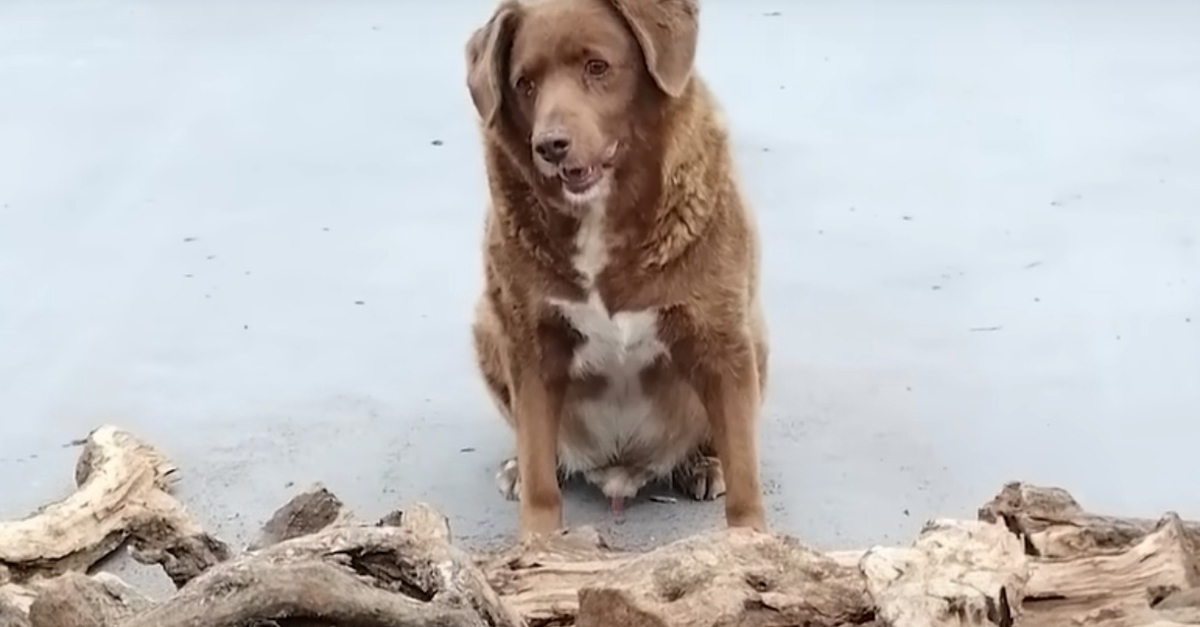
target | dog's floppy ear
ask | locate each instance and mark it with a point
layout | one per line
(487, 60)
(667, 31)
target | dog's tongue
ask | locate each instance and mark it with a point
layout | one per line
(618, 504)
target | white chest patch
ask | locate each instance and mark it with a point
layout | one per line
(616, 346)
(591, 248)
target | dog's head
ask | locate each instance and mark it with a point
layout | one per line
(578, 82)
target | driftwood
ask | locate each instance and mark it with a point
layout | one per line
(1053, 525)
(307, 513)
(15, 599)
(360, 576)
(122, 497)
(122, 494)
(719, 578)
(1090, 569)
(77, 600)
(955, 572)
(1033, 558)
(12, 616)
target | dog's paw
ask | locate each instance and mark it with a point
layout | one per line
(701, 478)
(508, 479)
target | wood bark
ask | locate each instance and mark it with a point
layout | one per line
(1132, 573)
(1052, 524)
(352, 576)
(720, 578)
(122, 491)
(12, 615)
(734, 577)
(122, 495)
(77, 600)
(1035, 558)
(1092, 569)
(307, 512)
(16, 597)
(956, 573)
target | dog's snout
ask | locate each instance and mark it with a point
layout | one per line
(552, 146)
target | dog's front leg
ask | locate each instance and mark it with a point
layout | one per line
(538, 405)
(725, 374)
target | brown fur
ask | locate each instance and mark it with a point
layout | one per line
(679, 242)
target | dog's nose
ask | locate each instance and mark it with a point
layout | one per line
(552, 146)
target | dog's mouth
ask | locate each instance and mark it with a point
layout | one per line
(579, 180)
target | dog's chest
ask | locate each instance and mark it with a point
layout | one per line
(616, 345)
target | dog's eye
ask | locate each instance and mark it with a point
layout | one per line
(524, 85)
(596, 67)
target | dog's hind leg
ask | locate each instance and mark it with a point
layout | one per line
(489, 357)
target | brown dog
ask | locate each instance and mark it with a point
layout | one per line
(619, 331)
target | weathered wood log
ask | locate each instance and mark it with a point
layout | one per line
(122, 494)
(729, 577)
(540, 579)
(347, 575)
(1121, 587)
(166, 535)
(402, 571)
(76, 600)
(307, 512)
(16, 596)
(422, 521)
(11, 615)
(720, 578)
(956, 573)
(118, 477)
(1052, 524)
(1090, 569)
(332, 591)
(1048, 563)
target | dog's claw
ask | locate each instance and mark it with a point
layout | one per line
(702, 478)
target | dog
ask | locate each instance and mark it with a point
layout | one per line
(620, 331)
